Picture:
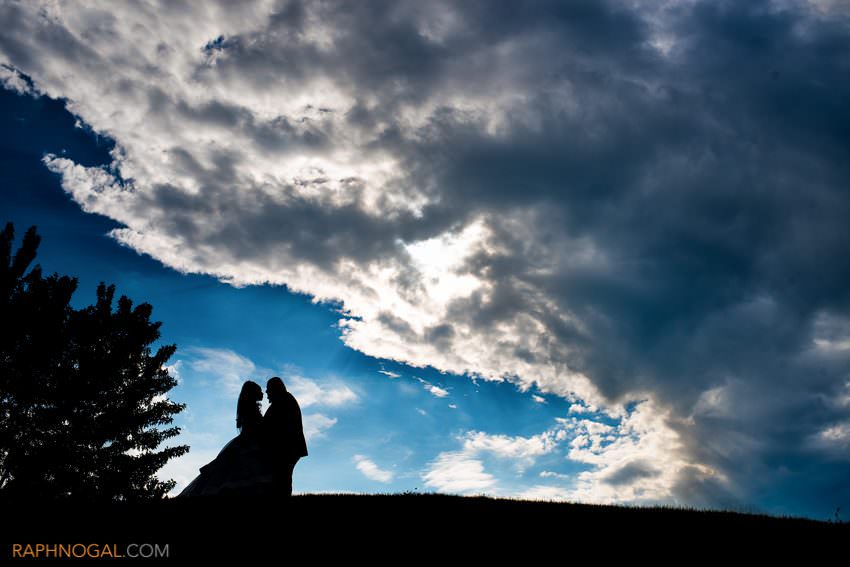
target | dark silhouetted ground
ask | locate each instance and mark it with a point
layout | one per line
(411, 528)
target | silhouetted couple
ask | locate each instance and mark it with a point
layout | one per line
(261, 459)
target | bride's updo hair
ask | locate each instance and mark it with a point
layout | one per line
(248, 414)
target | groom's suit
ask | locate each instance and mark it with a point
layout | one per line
(284, 432)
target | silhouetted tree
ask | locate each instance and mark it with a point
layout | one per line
(82, 399)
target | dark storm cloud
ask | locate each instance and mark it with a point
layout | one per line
(718, 188)
(630, 472)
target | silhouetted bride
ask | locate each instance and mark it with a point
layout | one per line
(242, 466)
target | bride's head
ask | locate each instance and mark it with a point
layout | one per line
(248, 406)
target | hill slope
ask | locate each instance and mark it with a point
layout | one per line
(418, 526)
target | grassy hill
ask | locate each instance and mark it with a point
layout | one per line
(341, 527)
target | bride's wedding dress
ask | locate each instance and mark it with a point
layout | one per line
(242, 467)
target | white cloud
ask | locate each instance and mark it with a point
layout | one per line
(832, 440)
(11, 79)
(371, 471)
(839, 434)
(458, 473)
(468, 468)
(637, 459)
(551, 474)
(543, 492)
(198, 139)
(523, 450)
(641, 459)
(538, 399)
(316, 424)
(229, 368)
(436, 391)
(311, 392)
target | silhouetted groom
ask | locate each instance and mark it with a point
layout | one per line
(284, 433)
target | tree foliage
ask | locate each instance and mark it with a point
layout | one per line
(83, 406)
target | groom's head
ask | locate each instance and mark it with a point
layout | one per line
(275, 389)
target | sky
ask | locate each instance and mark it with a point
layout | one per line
(591, 251)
